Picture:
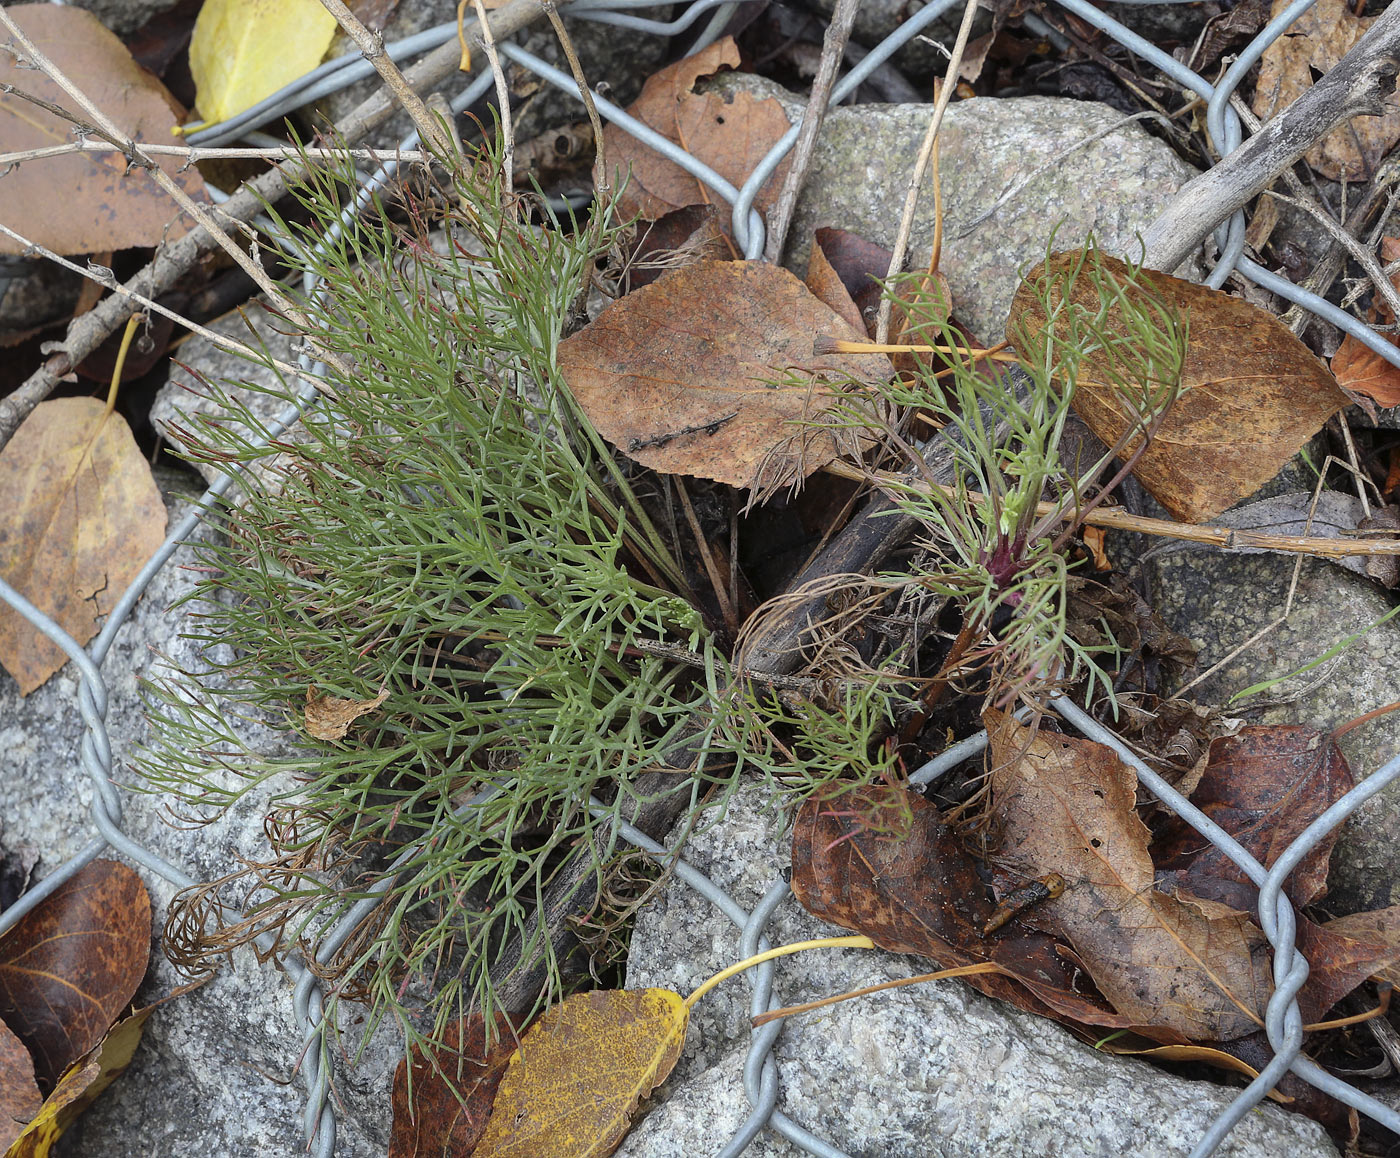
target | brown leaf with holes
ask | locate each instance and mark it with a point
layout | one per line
(581, 1071)
(729, 133)
(442, 1107)
(918, 890)
(710, 372)
(1314, 45)
(104, 203)
(80, 517)
(329, 717)
(70, 966)
(1263, 786)
(1064, 805)
(1253, 392)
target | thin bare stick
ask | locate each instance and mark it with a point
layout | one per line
(833, 49)
(173, 260)
(502, 101)
(196, 153)
(1357, 86)
(604, 187)
(105, 279)
(1362, 256)
(916, 179)
(276, 294)
(1116, 518)
(371, 46)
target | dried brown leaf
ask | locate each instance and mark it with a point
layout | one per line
(103, 204)
(730, 134)
(1263, 786)
(918, 890)
(80, 1085)
(70, 966)
(1191, 966)
(1359, 368)
(81, 516)
(680, 375)
(1313, 45)
(329, 717)
(19, 1094)
(1253, 393)
(444, 1108)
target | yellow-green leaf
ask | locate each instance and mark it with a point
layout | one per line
(575, 1082)
(81, 514)
(244, 50)
(79, 1087)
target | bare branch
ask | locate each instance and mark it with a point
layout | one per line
(1357, 87)
(88, 332)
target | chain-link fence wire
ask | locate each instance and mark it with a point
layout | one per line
(1283, 1022)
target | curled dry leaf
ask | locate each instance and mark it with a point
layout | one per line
(1313, 45)
(580, 1072)
(920, 891)
(69, 967)
(1253, 393)
(1192, 966)
(81, 516)
(1263, 786)
(329, 717)
(105, 204)
(730, 134)
(710, 372)
(682, 237)
(19, 1094)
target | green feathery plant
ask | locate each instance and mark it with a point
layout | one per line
(453, 533)
(993, 549)
(450, 532)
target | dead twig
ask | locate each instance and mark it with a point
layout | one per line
(833, 48)
(916, 179)
(174, 259)
(1357, 87)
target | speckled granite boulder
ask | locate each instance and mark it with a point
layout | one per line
(934, 1068)
(216, 1071)
(1013, 172)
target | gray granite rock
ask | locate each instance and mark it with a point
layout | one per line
(216, 1071)
(205, 374)
(1013, 172)
(1220, 601)
(930, 1069)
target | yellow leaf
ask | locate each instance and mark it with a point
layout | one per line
(575, 1082)
(245, 50)
(80, 1086)
(81, 515)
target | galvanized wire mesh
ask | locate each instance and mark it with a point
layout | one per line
(762, 1082)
